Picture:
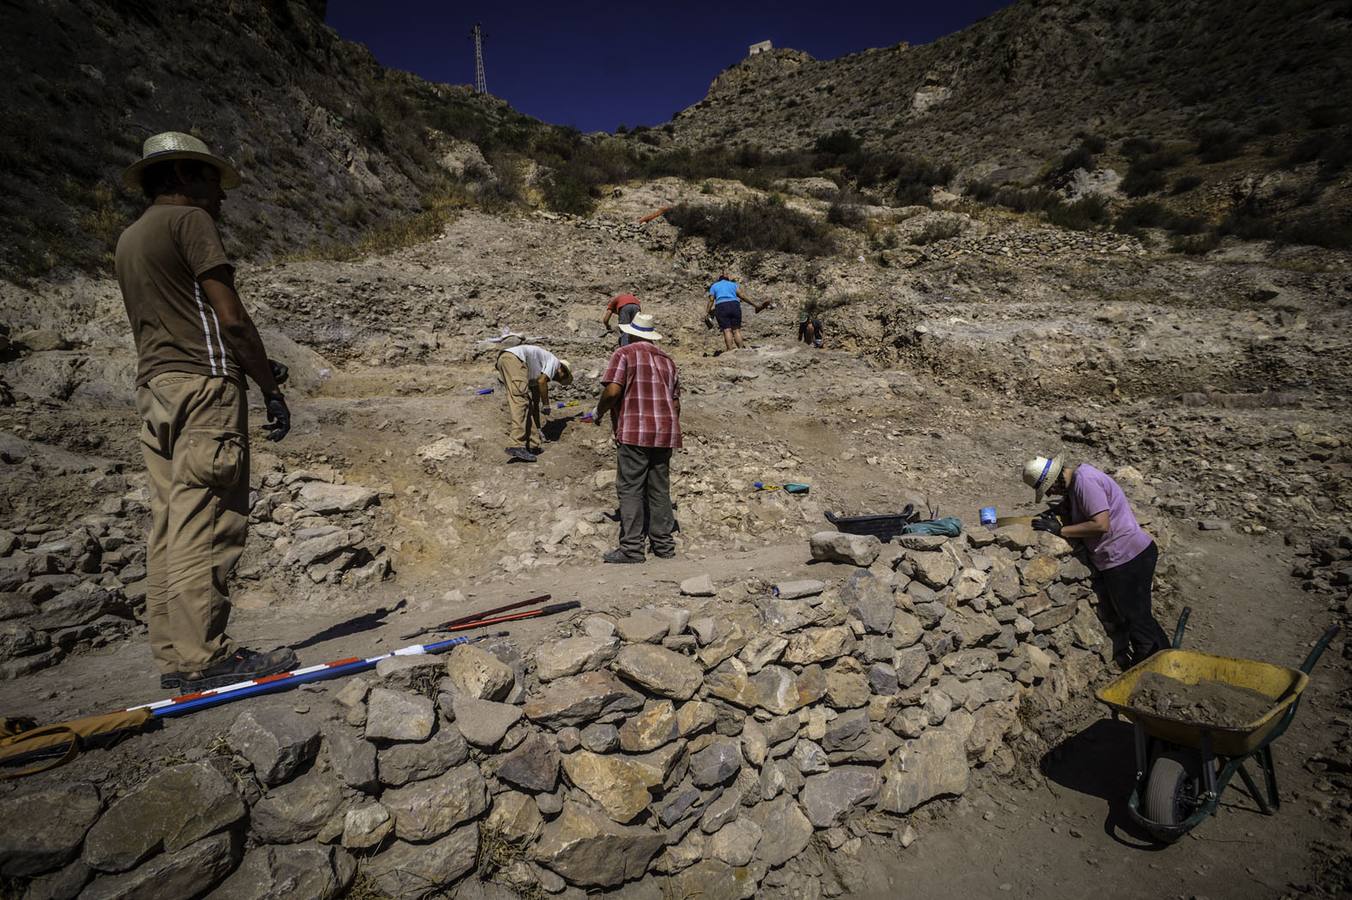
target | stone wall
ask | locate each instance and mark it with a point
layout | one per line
(721, 743)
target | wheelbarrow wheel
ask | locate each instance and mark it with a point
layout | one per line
(1171, 793)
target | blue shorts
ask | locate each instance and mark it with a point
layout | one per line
(729, 315)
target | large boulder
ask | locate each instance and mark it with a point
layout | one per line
(484, 722)
(588, 849)
(297, 810)
(661, 671)
(426, 810)
(398, 716)
(559, 659)
(301, 872)
(829, 797)
(168, 811)
(476, 673)
(187, 872)
(785, 830)
(580, 699)
(532, 765)
(401, 763)
(619, 784)
(837, 546)
(413, 871)
(34, 839)
(932, 765)
(276, 742)
(325, 498)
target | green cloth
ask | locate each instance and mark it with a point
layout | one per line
(948, 526)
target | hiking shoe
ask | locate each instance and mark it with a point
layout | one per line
(670, 554)
(521, 454)
(171, 682)
(619, 556)
(242, 665)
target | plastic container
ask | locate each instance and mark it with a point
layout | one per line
(988, 515)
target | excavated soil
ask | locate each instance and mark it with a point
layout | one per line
(1204, 703)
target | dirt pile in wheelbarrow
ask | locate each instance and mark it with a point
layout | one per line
(1205, 703)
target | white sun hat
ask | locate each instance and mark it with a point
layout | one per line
(1040, 473)
(176, 145)
(641, 327)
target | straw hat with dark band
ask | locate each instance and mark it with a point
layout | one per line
(170, 145)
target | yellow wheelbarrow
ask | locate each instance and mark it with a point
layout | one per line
(1183, 767)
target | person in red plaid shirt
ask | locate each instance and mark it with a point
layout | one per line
(643, 393)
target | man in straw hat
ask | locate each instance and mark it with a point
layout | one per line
(195, 344)
(525, 372)
(1120, 549)
(643, 393)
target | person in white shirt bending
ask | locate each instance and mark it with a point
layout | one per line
(525, 372)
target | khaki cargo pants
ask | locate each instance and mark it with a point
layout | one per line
(523, 401)
(196, 449)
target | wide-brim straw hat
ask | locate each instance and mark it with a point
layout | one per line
(565, 373)
(641, 327)
(1040, 473)
(171, 145)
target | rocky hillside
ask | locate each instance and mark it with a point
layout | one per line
(330, 144)
(1020, 84)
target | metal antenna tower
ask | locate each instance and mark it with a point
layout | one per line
(480, 82)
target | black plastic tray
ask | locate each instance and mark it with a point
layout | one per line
(884, 527)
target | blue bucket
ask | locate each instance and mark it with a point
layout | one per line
(988, 515)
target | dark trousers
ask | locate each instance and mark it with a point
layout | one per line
(1128, 588)
(643, 483)
(627, 313)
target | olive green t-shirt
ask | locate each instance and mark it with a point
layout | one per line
(159, 260)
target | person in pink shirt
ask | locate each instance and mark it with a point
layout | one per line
(1120, 549)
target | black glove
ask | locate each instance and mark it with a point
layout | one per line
(279, 417)
(279, 371)
(1047, 523)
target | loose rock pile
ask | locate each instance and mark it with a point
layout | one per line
(725, 747)
(74, 586)
(83, 585)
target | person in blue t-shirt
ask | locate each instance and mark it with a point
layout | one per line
(725, 303)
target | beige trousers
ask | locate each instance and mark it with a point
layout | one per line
(196, 449)
(523, 401)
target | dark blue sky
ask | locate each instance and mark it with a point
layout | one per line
(598, 65)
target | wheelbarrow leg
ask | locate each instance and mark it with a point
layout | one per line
(1270, 776)
(1253, 788)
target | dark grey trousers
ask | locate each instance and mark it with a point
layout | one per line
(643, 483)
(627, 313)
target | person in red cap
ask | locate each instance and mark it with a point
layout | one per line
(625, 307)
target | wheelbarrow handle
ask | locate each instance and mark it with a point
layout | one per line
(1182, 624)
(1319, 646)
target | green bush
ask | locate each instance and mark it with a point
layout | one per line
(980, 191)
(1145, 214)
(567, 193)
(1092, 142)
(1318, 230)
(1196, 245)
(937, 231)
(1185, 183)
(846, 211)
(1138, 184)
(1134, 147)
(838, 143)
(753, 225)
(1085, 214)
(915, 177)
(1216, 143)
(1153, 214)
